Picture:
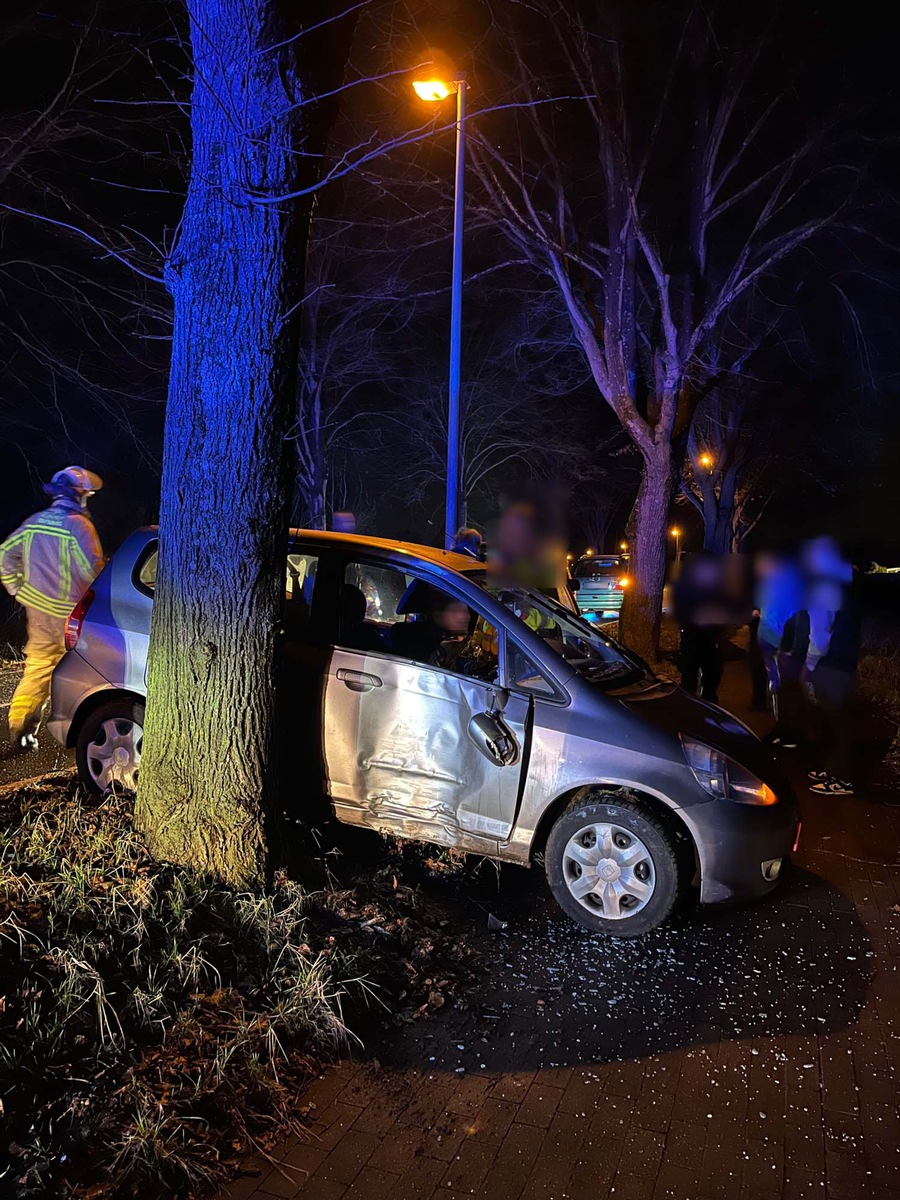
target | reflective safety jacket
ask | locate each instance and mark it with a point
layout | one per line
(51, 560)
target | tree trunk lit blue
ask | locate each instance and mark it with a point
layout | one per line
(235, 274)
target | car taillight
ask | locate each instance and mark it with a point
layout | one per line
(624, 581)
(75, 620)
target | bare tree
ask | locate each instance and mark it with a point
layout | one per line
(520, 369)
(656, 246)
(353, 340)
(78, 335)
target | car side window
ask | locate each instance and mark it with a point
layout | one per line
(385, 609)
(146, 569)
(382, 587)
(299, 587)
(522, 673)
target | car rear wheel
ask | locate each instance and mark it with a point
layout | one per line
(613, 866)
(108, 749)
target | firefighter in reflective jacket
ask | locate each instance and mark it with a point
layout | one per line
(48, 564)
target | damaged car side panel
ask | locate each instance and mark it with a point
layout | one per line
(403, 751)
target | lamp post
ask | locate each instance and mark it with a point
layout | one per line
(675, 532)
(435, 90)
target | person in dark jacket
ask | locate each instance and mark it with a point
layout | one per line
(826, 645)
(702, 614)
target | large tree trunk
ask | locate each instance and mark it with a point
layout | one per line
(235, 276)
(642, 608)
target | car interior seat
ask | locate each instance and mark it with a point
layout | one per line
(357, 632)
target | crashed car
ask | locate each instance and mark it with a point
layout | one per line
(445, 705)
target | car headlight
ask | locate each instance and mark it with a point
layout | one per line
(724, 778)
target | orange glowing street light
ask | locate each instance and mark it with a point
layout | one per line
(705, 460)
(675, 532)
(433, 89)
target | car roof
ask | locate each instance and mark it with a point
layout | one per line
(431, 554)
(353, 541)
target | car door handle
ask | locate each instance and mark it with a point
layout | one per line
(358, 681)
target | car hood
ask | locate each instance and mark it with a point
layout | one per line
(675, 712)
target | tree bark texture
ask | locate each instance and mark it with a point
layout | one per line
(642, 609)
(236, 278)
(718, 513)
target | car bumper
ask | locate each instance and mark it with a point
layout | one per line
(74, 681)
(743, 849)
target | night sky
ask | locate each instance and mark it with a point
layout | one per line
(84, 339)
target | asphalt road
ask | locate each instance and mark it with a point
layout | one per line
(49, 758)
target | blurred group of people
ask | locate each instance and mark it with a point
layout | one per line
(805, 634)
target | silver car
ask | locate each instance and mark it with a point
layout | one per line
(432, 700)
(601, 583)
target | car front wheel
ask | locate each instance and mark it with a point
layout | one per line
(108, 749)
(613, 866)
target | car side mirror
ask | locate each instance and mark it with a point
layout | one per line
(497, 700)
(574, 585)
(493, 739)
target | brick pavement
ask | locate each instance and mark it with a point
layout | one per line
(750, 1053)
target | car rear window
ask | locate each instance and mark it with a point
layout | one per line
(598, 566)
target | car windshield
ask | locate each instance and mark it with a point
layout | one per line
(594, 656)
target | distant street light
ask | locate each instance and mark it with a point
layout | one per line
(675, 532)
(623, 546)
(433, 91)
(706, 460)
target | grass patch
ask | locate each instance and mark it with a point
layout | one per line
(879, 683)
(154, 1024)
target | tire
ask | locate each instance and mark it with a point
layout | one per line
(108, 748)
(640, 876)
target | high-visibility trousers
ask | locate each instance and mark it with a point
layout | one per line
(44, 648)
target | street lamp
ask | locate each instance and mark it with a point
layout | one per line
(623, 546)
(705, 460)
(675, 532)
(434, 91)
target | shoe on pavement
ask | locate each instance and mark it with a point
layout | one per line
(832, 787)
(817, 776)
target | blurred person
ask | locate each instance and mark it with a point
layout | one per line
(48, 564)
(343, 522)
(778, 595)
(458, 647)
(826, 641)
(702, 610)
(759, 681)
(470, 542)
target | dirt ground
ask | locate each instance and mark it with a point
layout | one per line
(13, 768)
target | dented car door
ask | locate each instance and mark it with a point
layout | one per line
(422, 752)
